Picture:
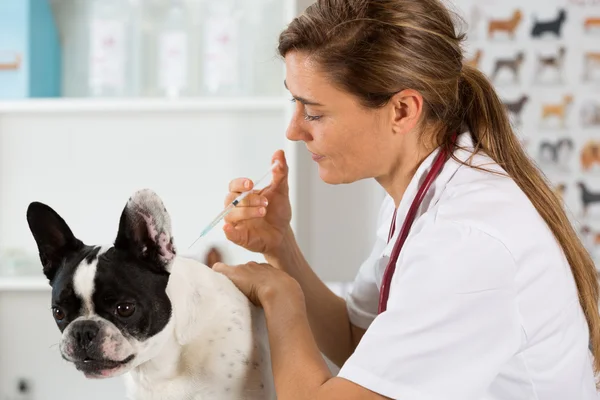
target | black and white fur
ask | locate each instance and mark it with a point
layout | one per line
(172, 326)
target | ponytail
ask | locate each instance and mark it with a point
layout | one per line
(487, 121)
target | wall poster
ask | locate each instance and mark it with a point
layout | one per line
(543, 57)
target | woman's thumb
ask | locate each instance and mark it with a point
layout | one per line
(280, 172)
(220, 267)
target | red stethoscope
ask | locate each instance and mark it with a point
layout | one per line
(436, 168)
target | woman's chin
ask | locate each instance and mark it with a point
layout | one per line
(331, 177)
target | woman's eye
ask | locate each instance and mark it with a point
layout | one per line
(59, 314)
(308, 117)
(125, 310)
(311, 117)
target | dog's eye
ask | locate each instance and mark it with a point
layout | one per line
(59, 315)
(126, 310)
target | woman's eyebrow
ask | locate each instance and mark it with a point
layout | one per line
(303, 100)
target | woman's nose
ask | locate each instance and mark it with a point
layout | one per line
(296, 130)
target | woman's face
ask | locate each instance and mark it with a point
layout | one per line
(347, 141)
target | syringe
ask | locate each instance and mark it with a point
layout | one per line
(233, 204)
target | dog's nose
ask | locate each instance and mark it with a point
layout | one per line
(85, 332)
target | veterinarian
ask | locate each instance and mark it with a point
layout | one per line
(491, 295)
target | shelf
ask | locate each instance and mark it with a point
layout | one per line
(69, 105)
(24, 284)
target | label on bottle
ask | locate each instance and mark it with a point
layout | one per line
(221, 57)
(107, 54)
(173, 61)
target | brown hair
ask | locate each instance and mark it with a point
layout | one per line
(373, 49)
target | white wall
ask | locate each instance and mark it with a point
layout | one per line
(302, 4)
(337, 224)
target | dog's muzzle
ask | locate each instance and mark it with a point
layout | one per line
(95, 346)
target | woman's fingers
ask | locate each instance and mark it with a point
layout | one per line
(240, 185)
(278, 181)
(239, 214)
(252, 200)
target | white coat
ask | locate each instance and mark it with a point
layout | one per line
(483, 304)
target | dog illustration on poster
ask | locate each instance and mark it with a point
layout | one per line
(590, 155)
(515, 108)
(512, 64)
(588, 197)
(590, 115)
(475, 61)
(556, 153)
(591, 65)
(555, 62)
(592, 24)
(557, 110)
(507, 26)
(549, 27)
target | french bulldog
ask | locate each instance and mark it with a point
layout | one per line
(169, 324)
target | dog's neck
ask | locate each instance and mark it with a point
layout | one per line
(191, 285)
(163, 367)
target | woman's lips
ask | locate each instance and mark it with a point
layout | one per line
(316, 157)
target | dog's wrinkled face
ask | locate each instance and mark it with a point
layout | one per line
(109, 302)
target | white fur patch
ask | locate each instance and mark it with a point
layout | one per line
(103, 249)
(83, 284)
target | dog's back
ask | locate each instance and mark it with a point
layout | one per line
(220, 346)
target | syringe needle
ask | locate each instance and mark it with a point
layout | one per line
(232, 205)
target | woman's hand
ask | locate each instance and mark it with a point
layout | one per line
(261, 221)
(262, 283)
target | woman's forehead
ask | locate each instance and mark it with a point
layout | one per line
(309, 83)
(302, 70)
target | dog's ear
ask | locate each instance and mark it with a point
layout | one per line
(145, 230)
(54, 238)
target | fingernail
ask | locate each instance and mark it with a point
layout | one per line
(247, 184)
(265, 202)
(262, 211)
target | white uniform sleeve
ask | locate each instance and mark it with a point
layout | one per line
(362, 301)
(451, 321)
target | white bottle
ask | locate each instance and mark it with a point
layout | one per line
(221, 56)
(173, 43)
(112, 63)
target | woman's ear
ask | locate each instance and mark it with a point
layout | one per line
(407, 108)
